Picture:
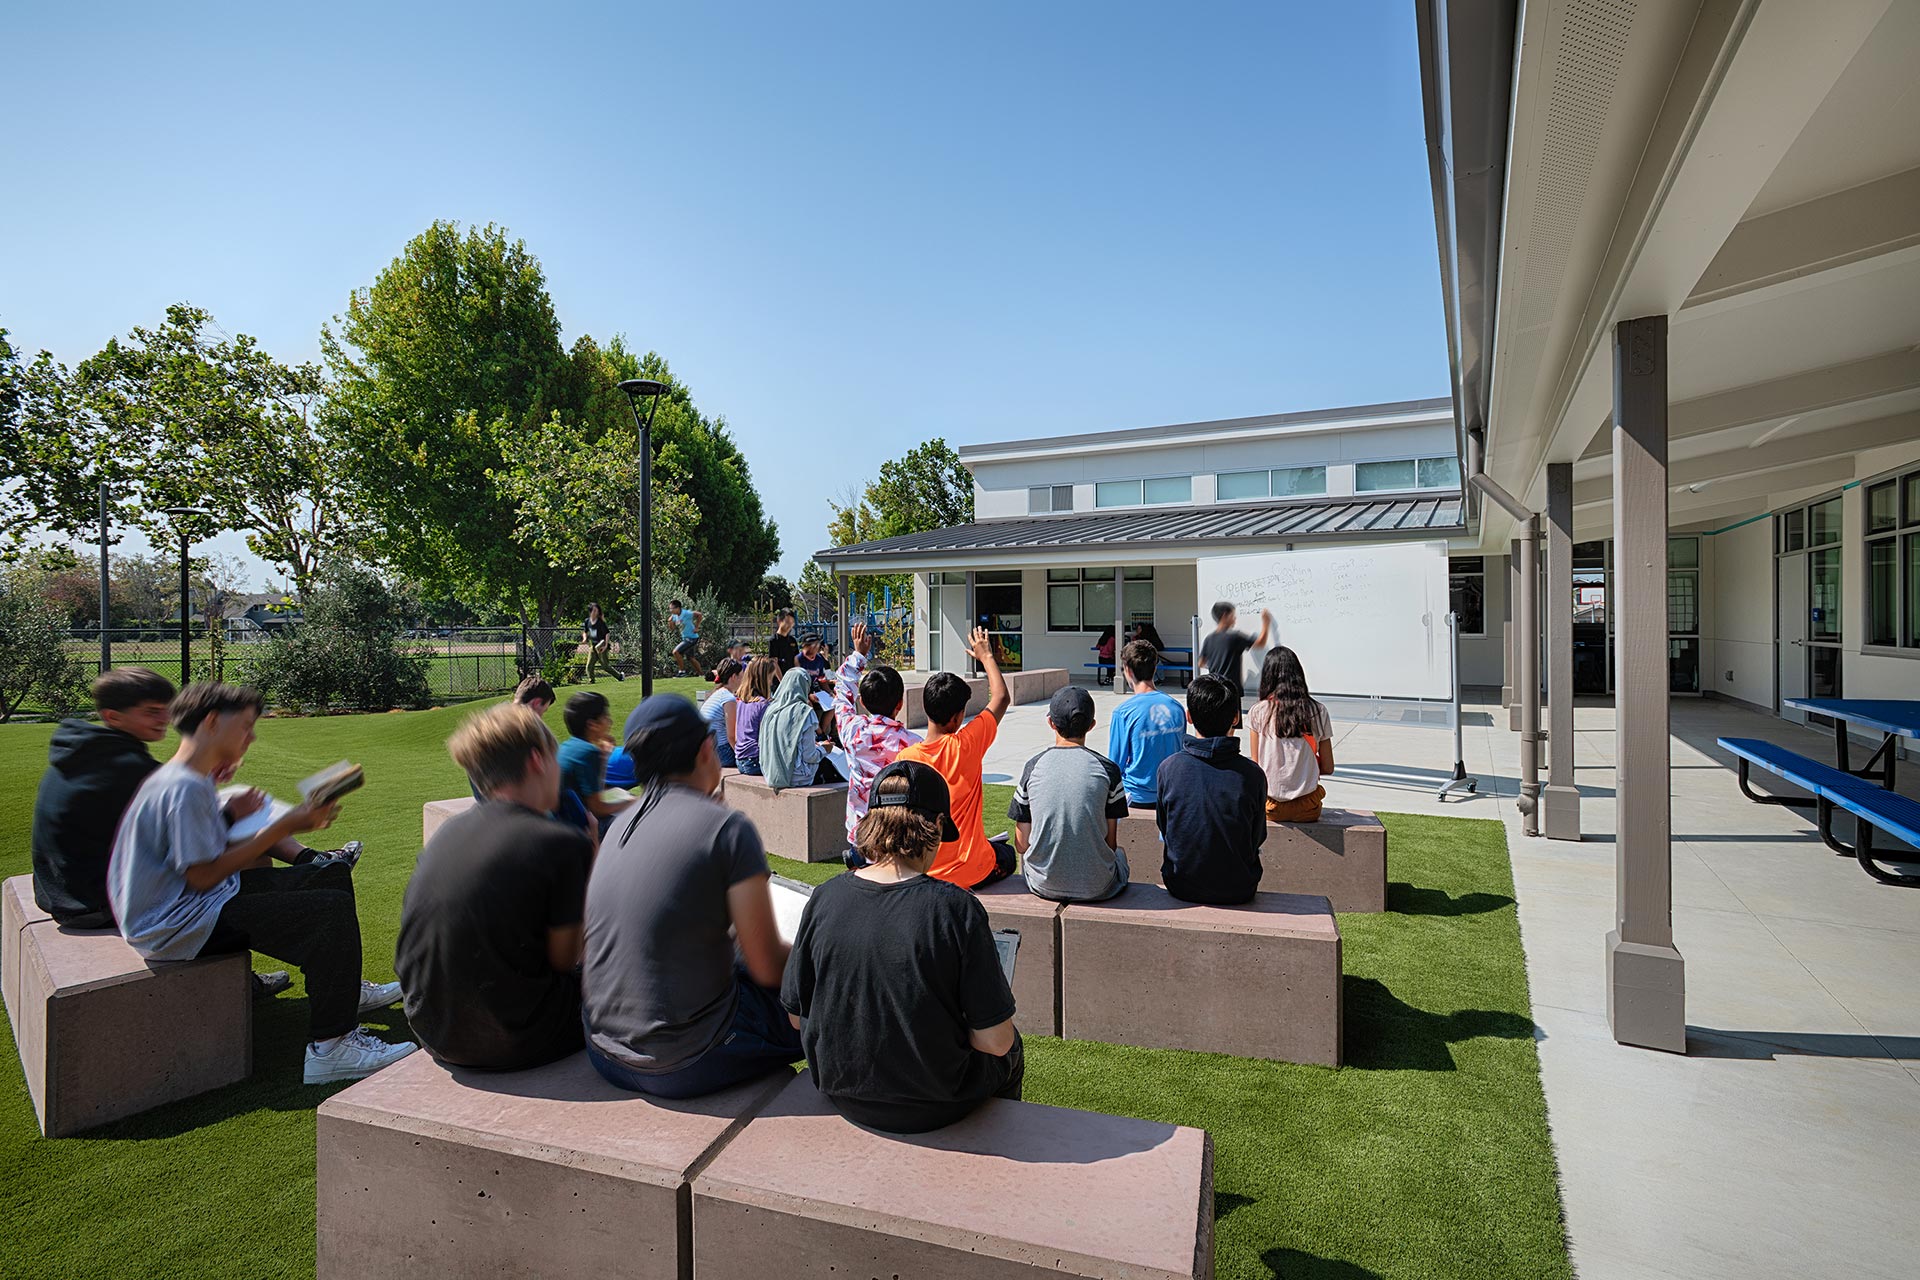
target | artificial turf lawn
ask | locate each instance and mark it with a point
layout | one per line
(1427, 1155)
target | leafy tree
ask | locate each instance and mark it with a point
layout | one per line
(773, 594)
(33, 656)
(348, 651)
(927, 488)
(54, 454)
(68, 583)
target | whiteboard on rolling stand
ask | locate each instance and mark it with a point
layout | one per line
(1368, 620)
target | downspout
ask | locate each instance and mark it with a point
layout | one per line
(1526, 613)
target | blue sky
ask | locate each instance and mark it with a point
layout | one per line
(849, 228)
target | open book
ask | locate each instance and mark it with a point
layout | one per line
(332, 782)
(257, 821)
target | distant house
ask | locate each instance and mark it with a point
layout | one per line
(256, 616)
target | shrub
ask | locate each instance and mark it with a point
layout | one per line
(34, 663)
(713, 627)
(349, 651)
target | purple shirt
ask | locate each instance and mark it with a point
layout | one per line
(746, 729)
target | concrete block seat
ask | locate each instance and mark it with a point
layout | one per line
(1022, 687)
(1342, 857)
(1016, 1189)
(104, 1034)
(1258, 981)
(425, 1170)
(1036, 965)
(434, 813)
(807, 824)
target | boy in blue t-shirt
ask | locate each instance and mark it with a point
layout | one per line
(583, 759)
(1147, 728)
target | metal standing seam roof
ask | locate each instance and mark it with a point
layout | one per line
(1266, 522)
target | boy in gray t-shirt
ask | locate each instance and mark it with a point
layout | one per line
(1067, 809)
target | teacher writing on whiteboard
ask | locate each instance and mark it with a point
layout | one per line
(1224, 648)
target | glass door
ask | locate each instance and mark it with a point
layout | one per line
(1592, 659)
(1809, 620)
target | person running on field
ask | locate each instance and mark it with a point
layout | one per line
(687, 652)
(598, 638)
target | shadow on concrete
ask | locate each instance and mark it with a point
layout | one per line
(1413, 900)
(1292, 1264)
(1766, 1046)
(1385, 1033)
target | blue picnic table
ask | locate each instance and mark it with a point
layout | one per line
(1895, 717)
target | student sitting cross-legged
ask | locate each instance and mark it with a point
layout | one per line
(489, 949)
(1213, 803)
(1292, 739)
(680, 882)
(756, 687)
(866, 709)
(180, 890)
(955, 752)
(790, 750)
(1067, 808)
(1147, 727)
(894, 982)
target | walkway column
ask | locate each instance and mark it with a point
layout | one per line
(1526, 677)
(1560, 803)
(1646, 978)
(966, 630)
(1510, 631)
(1120, 683)
(843, 603)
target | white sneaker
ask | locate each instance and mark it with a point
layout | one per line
(377, 995)
(353, 1055)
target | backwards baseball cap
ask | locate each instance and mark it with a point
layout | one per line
(663, 735)
(1071, 711)
(926, 794)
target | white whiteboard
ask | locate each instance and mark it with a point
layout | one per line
(1366, 620)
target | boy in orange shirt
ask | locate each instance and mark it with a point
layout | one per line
(955, 753)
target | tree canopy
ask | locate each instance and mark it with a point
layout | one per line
(926, 488)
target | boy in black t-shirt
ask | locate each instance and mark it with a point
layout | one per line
(490, 927)
(1224, 648)
(894, 981)
(781, 646)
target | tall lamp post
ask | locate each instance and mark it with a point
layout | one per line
(180, 517)
(635, 389)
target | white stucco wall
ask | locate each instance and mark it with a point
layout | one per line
(1737, 658)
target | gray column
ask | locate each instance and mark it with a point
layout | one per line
(1120, 684)
(1560, 803)
(1509, 658)
(966, 629)
(1526, 678)
(1646, 978)
(844, 602)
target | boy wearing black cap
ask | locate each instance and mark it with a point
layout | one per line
(894, 982)
(1067, 808)
(668, 1010)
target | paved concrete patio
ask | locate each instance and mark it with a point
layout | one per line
(1786, 1142)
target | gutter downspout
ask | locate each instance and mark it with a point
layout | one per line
(1526, 613)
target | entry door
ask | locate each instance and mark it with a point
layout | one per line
(1791, 655)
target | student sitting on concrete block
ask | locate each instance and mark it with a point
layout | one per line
(1067, 810)
(680, 882)
(1147, 727)
(180, 890)
(1213, 804)
(489, 949)
(894, 981)
(1292, 739)
(790, 751)
(956, 753)
(866, 707)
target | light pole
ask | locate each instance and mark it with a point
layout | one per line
(106, 641)
(180, 516)
(635, 388)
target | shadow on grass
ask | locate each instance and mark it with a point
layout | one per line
(1385, 1033)
(1413, 900)
(1291, 1264)
(279, 1053)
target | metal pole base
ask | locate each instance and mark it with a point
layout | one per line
(1458, 782)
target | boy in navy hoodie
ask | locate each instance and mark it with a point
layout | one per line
(1213, 803)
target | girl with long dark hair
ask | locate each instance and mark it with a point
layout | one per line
(1292, 739)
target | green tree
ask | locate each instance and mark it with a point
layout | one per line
(927, 488)
(348, 651)
(33, 656)
(54, 454)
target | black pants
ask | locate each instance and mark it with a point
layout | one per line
(1005, 862)
(305, 916)
(987, 1077)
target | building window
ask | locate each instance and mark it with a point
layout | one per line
(1467, 593)
(1893, 562)
(996, 606)
(1045, 499)
(1082, 599)
(1406, 473)
(1159, 491)
(1281, 482)
(1683, 615)
(956, 582)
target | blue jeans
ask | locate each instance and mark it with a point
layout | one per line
(726, 753)
(751, 766)
(759, 1040)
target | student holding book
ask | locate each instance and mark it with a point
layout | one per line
(790, 750)
(894, 982)
(1292, 739)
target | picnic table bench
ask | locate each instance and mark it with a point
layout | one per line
(1874, 808)
(1103, 671)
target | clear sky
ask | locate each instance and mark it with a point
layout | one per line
(849, 227)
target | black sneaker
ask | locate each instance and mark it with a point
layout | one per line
(348, 853)
(268, 985)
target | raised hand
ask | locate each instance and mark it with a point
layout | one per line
(861, 640)
(980, 644)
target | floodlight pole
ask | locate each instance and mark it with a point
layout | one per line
(106, 641)
(635, 388)
(182, 515)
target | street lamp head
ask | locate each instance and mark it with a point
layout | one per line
(181, 512)
(637, 387)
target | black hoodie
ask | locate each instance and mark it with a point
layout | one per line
(92, 773)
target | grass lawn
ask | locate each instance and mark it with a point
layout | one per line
(1427, 1155)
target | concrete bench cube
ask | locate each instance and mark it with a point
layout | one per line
(435, 813)
(17, 911)
(1015, 1189)
(1036, 965)
(806, 824)
(1258, 981)
(425, 1170)
(104, 1034)
(1342, 857)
